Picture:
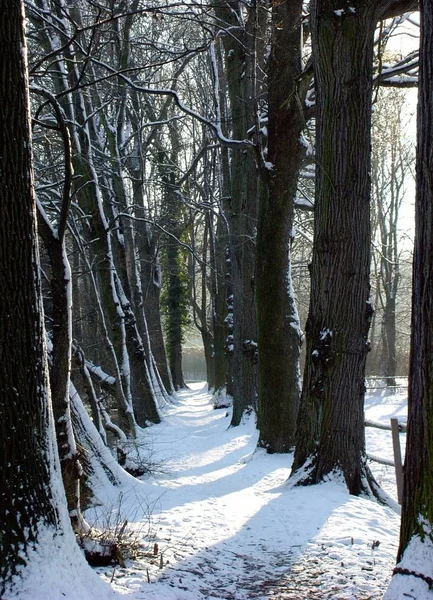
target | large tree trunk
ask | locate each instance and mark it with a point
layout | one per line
(219, 313)
(222, 289)
(28, 490)
(151, 281)
(242, 206)
(389, 338)
(175, 313)
(242, 220)
(279, 334)
(330, 434)
(417, 509)
(61, 316)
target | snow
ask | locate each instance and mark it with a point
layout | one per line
(228, 526)
(99, 373)
(325, 333)
(417, 558)
(56, 572)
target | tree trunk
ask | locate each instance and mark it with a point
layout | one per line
(330, 434)
(219, 315)
(279, 334)
(175, 310)
(61, 316)
(389, 337)
(29, 497)
(143, 386)
(86, 184)
(151, 281)
(222, 287)
(242, 220)
(99, 467)
(417, 509)
(241, 211)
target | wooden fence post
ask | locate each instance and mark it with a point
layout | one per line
(397, 458)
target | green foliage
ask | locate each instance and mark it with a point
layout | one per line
(174, 296)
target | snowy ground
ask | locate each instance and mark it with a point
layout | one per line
(227, 525)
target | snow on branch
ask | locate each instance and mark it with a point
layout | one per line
(215, 127)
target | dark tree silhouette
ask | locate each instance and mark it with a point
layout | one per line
(28, 493)
(417, 509)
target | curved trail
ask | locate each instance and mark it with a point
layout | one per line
(227, 525)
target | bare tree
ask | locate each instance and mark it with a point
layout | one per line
(416, 537)
(391, 163)
(279, 333)
(330, 436)
(31, 497)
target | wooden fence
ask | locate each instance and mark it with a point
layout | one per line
(396, 428)
(376, 382)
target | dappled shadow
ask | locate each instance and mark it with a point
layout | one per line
(227, 525)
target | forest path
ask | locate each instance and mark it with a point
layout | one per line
(227, 526)
(215, 504)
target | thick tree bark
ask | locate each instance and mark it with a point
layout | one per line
(390, 339)
(330, 434)
(61, 315)
(98, 465)
(151, 281)
(279, 334)
(417, 509)
(219, 313)
(243, 216)
(175, 314)
(27, 489)
(242, 207)
(144, 388)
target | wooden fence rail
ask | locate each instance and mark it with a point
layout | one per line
(396, 428)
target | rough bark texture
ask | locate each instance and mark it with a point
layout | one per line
(219, 310)
(26, 502)
(151, 289)
(61, 317)
(242, 250)
(331, 419)
(242, 206)
(277, 319)
(142, 391)
(418, 473)
(99, 466)
(390, 339)
(175, 313)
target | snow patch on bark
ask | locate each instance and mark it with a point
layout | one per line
(409, 580)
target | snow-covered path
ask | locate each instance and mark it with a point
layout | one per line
(228, 526)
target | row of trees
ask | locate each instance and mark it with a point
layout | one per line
(142, 168)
